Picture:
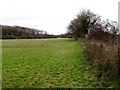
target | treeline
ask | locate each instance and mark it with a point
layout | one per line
(18, 32)
(102, 45)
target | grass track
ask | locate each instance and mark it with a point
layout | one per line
(44, 63)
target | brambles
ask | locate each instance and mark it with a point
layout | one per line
(105, 58)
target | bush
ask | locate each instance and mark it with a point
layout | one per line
(105, 58)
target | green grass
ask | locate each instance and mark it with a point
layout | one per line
(44, 63)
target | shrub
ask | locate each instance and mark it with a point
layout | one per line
(105, 58)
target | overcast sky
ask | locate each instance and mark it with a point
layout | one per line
(52, 16)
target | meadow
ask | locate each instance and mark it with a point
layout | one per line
(45, 63)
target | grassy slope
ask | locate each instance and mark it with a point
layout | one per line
(45, 63)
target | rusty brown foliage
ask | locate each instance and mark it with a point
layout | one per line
(104, 57)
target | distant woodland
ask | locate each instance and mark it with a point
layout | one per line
(18, 32)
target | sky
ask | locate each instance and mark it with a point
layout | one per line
(52, 16)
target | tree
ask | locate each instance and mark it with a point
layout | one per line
(110, 26)
(80, 26)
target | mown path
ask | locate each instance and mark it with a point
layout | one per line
(46, 63)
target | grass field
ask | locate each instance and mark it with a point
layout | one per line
(44, 63)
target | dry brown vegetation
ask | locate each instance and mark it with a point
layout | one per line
(104, 57)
